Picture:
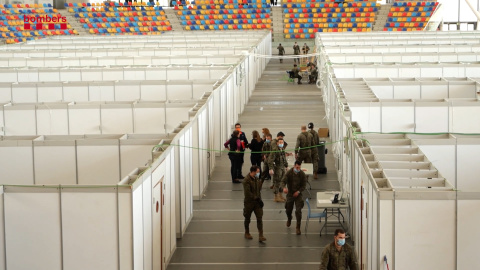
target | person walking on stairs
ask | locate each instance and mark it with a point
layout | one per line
(302, 149)
(296, 51)
(252, 202)
(277, 163)
(281, 52)
(293, 184)
(314, 149)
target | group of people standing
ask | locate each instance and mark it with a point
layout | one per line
(271, 151)
(296, 72)
(290, 181)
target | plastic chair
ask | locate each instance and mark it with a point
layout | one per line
(314, 215)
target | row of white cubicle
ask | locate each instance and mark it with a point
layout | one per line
(406, 141)
(105, 161)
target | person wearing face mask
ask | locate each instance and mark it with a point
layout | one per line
(244, 142)
(293, 184)
(277, 164)
(265, 131)
(338, 255)
(266, 148)
(252, 202)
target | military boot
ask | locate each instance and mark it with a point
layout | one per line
(281, 198)
(315, 176)
(278, 198)
(289, 222)
(261, 238)
(247, 234)
(297, 229)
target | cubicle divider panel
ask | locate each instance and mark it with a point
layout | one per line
(21, 119)
(84, 119)
(441, 240)
(90, 219)
(468, 218)
(445, 148)
(138, 226)
(2, 228)
(195, 166)
(116, 118)
(468, 151)
(98, 162)
(55, 162)
(36, 213)
(431, 117)
(52, 118)
(16, 159)
(460, 114)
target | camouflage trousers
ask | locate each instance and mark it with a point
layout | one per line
(254, 207)
(298, 202)
(278, 173)
(304, 156)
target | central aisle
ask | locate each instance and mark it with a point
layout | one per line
(214, 239)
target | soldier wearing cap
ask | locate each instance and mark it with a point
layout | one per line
(304, 143)
(277, 163)
(314, 150)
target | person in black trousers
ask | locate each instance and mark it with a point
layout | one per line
(235, 148)
(256, 147)
(244, 142)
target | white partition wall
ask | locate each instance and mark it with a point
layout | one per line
(406, 142)
(114, 154)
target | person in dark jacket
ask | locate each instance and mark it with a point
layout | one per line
(244, 142)
(235, 148)
(338, 254)
(256, 147)
(252, 202)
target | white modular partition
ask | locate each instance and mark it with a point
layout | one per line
(94, 118)
(104, 91)
(403, 58)
(138, 220)
(66, 227)
(459, 48)
(73, 160)
(405, 70)
(113, 73)
(425, 196)
(78, 61)
(416, 116)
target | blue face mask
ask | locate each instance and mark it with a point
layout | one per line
(341, 242)
(280, 145)
(267, 141)
(296, 171)
(257, 175)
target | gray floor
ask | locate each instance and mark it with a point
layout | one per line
(214, 239)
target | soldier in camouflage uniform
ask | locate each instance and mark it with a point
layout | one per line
(252, 187)
(266, 148)
(295, 181)
(338, 255)
(302, 149)
(314, 150)
(277, 162)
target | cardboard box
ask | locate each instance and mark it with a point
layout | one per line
(323, 132)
